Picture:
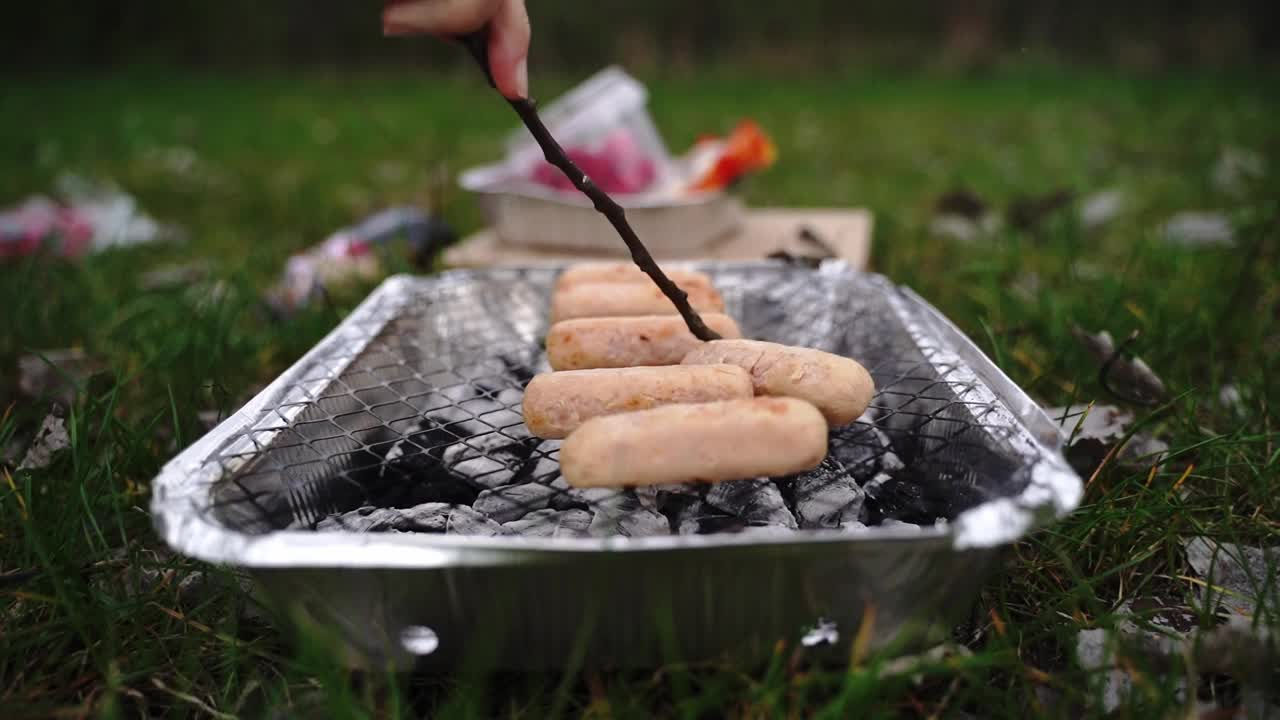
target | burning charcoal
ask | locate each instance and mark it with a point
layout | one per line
(470, 380)
(465, 521)
(428, 517)
(543, 467)
(765, 530)
(487, 461)
(568, 497)
(410, 476)
(853, 525)
(648, 497)
(890, 522)
(623, 514)
(552, 523)
(864, 450)
(758, 502)
(514, 501)
(826, 496)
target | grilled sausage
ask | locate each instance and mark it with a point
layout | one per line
(838, 386)
(594, 299)
(627, 273)
(612, 342)
(555, 404)
(708, 442)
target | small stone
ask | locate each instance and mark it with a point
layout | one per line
(465, 521)
(552, 523)
(514, 501)
(826, 497)
(758, 502)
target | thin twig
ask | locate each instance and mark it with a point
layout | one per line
(478, 45)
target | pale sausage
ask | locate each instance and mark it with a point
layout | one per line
(611, 342)
(709, 442)
(555, 404)
(838, 386)
(590, 299)
(627, 273)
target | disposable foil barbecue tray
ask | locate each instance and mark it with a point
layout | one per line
(385, 490)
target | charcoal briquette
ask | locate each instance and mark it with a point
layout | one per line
(757, 502)
(622, 514)
(826, 497)
(514, 501)
(428, 517)
(465, 521)
(552, 523)
(568, 497)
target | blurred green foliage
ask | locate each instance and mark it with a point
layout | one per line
(656, 34)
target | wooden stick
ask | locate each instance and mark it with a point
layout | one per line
(477, 44)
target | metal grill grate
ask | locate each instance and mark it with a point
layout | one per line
(411, 421)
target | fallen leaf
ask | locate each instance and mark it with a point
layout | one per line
(1236, 168)
(1029, 213)
(51, 438)
(1129, 375)
(962, 203)
(56, 374)
(1199, 229)
(1101, 208)
(1251, 575)
(1090, 431)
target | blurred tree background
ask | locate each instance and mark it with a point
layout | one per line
(659, 35)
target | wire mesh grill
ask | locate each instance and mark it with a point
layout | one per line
(413, 423)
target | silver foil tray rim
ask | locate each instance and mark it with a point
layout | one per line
(182, 488)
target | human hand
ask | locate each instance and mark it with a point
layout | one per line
(507, 20)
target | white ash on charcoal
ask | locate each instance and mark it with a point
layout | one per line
(409, 475)
(699, 518)
(552, 523)
(825, 497)
(864, 450)
(942, 482)
(568, 497)
(543, 466)
(465, 521)
(513, 502)
(757, 502)
(426, 518)
(623, 514)
(471, 379)
(900, 525)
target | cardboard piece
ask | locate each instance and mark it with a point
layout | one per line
(765, 230)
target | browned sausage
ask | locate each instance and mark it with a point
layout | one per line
(628, 341)
(627, 273)
(709, 442)
(555, 404)
(590, 299)
(838, 386)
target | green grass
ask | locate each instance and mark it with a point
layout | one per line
(287, 158)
